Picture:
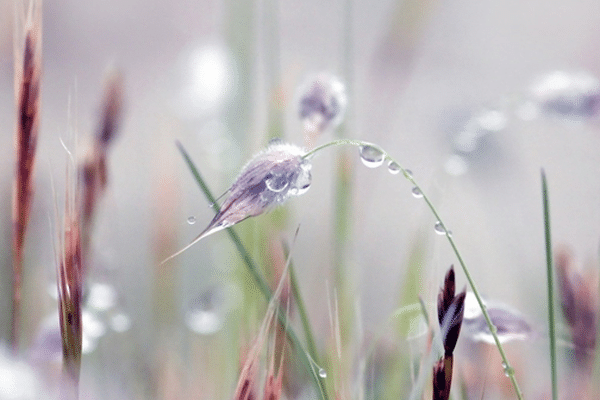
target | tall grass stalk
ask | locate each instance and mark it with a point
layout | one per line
(308, 358)
(509, 371)
(550, 284)
(28, 67)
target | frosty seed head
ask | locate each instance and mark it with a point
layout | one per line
(269, 179)
(322, 102)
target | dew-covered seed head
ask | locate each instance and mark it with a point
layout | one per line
(269, 179)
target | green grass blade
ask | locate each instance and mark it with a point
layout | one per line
(549, 269)
(260, 281)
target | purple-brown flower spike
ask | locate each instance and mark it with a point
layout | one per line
(450, 311)
(450, 316)
(268, 180)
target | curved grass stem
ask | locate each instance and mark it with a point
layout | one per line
(509, 371)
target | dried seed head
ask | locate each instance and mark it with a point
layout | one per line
(268, 180)
(322, 102)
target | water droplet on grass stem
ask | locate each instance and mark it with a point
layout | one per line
(371, 156)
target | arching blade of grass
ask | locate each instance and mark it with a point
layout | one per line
(262, 284)
(549, 269)
(509, 371)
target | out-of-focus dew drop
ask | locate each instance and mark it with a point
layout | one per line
(205, 313)
(101, 297)
(474, 141)
(205, 80)
(93, 329)
(120, 322)
(571, 96)
(456, 165)
(18, 380)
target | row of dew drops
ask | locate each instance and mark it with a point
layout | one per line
(373, 157)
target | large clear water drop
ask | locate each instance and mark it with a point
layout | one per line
(371, 156)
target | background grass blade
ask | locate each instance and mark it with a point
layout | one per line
(550, 284)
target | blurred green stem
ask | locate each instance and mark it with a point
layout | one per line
(549, 270)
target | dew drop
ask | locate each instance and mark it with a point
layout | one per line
(204, 314)
(204, 322)
(191, 220)
(508, 371)
(439, 228)
(322, 373)
(371, 156)
(93, 327)
(393, 167)
(277, 183)
(416, 192)
(120, 322)
(101, 296)
(408, 173)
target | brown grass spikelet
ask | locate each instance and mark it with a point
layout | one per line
(70, 290)
(93, 170)
(27, 99)
(450, 316)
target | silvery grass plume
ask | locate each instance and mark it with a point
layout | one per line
(268, 180)
(322, 102)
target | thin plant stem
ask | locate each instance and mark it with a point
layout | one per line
(509, 371)
(307, 359)
(310, 341)
(549, 270)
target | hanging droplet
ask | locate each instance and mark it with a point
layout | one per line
(439, 228)
(393, 167)
(508, 370)
(191, 220)
(322, 373)
(408, 173)
(371, 156)
(416, 192)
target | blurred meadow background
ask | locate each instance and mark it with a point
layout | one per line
(473, 97)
